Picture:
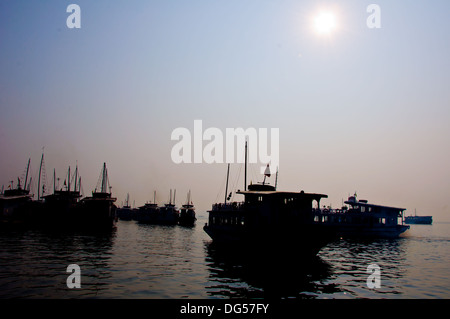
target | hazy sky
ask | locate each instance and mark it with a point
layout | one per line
(360, 109)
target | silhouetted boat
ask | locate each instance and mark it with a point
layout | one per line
(61, 207)
(363, 220)
(169, 213)
(126, 212)
(16, 203)
(268, 218)
(423, 220)
(98, 211)
(149, 213)
(187, 213)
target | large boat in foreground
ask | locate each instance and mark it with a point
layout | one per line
(270, 219)
(362, 219)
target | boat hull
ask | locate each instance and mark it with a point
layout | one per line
(302, 239)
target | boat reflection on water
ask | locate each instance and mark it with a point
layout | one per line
(263, 274)
(339, 271)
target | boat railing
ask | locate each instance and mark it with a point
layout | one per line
(236, 206)
(326, 211)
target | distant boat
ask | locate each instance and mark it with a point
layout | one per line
(126, 212)
(424, 220)
(99, 210)
(187, 213)
(149, 213)
(169, 213)
(362, 219)
(15, 203)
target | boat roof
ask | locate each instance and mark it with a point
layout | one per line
(3, 197)
(283, 193)
(363, 204)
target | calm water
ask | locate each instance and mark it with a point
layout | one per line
(145, 261)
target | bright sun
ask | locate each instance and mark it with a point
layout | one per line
(325, 23)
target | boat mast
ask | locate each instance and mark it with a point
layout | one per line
(39, 179)
(26, 176)
(245, 174)
(276, 179)
(226, 188)
(76, 175)
(104, 179)
(54, 180)
(174, 193)
(68, 180)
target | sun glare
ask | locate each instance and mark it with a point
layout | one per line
(325, 23)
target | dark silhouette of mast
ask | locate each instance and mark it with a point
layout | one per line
(104, 179)
(26, 175)
(245, 174)
(226, 188)
(39, 179)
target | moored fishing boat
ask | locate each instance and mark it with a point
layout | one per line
(169, 213)
(187, 213)
(149, 213)
(98, 211)
(16, 203)
(126, 212)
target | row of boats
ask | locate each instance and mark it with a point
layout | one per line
(168, 214)
(266, 218)
(63, 209)
(295, 221)
(67, 208)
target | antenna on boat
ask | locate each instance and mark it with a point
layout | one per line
(226, 188)
(174, 193)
